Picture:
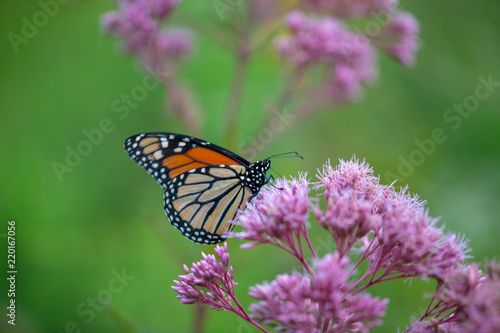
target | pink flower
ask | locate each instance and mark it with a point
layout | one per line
(481, 314)
(460, 285)
(276, 213)
(449, 253)
(317, 303)
(399, 38)
(285, 304)
(313, 41)
(138, 23)
(465, 302)
(403, 233)
(352, 8)
(132, 23)
(162, 8)
(350, 191)
(352, 176)
(329, 284)
(174, 44)
(208, 281)
(412, 230)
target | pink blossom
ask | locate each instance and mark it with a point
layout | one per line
(162, 8)
(481, 314)
(208, 281)
(138, 23)
(352, 8)
(464, 302)
(412, 230)
(349, 56)
(404, 235)
(461, 284)
(298, 303)
(329, 284)
(278, 211)
(350, 191)
(350, 175)
(399, 38)
(174, 44)
(285, 303)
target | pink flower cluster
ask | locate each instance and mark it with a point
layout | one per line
(465, 302)
(276, 214)
(406, 241)
(138, 23)
(208, 273)
(326, 41)
(352, 8)
(370, 223)
(348, 53)
(317, 303)
(211, 281)
(399, 38)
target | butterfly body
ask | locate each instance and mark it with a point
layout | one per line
(205, 185)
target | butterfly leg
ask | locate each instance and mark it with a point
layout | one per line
(252, 196)
(268, 179)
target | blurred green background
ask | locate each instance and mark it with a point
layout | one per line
(105, 218)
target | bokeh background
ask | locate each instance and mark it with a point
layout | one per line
(105, 217)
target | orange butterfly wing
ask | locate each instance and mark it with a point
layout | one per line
(166, 156)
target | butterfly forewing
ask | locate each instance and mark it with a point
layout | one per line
(166, 156)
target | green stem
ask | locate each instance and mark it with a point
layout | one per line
(236, 94)
(199, 317)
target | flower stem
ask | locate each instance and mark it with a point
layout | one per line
(200, 312)
(325, 325)
(285, 97)
(240, 311)
(309, 245)
(378, 280)
(250, 320)
(181, 103)
(298, 253)
(236, 93)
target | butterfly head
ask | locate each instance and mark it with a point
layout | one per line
(256, 175)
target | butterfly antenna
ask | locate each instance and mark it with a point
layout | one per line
(289, 154)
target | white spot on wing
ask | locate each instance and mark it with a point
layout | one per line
(158, 154)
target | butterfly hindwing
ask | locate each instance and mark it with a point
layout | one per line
(202, 202)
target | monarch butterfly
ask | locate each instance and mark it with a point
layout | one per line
(205, 185)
